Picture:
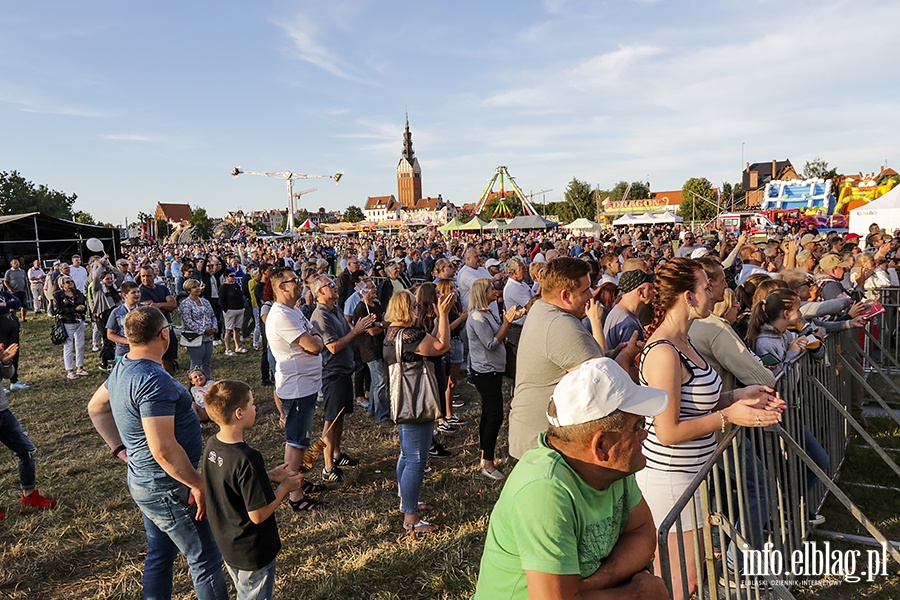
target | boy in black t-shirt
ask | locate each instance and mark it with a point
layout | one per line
(240, 502)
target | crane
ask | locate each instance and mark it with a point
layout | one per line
(289, 177)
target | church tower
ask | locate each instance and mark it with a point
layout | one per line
(409, 174)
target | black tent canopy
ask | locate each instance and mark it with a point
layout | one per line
(30, 236)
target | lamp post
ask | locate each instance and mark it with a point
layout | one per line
(289, 178)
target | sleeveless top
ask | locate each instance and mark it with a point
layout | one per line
(699, 396)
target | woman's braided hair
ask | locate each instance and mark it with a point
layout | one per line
(677, 276)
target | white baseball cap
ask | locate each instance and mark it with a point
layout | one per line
(598, 388)
(492, 262)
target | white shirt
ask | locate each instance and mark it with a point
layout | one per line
(516, 293)
(747, 270)
(297, 373)
(465, 277)
(36, 274)
(79, 275)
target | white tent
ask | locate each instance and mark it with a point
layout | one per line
(885, 211)
(668, 217)
(626, 219)
(583, 226)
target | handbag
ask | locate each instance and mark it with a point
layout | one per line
(191, 339)
(413, 388)
(58, 333)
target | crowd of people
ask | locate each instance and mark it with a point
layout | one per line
(625, 354)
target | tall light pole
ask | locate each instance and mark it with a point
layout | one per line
(289, 178)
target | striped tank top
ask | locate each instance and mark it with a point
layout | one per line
(699, 396)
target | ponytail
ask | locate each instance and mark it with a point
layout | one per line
(768, 310)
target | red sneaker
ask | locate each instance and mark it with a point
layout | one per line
(35, 500)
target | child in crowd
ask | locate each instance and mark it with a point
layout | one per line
(199, 387)
(240, 502)
(115, 326)
(769, 334)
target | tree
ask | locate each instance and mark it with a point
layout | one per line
(698, 202)
(17, 195)
(818, 168)
(579, 201)
(79, 216)
(638, 191)
(354, 214)
(201, 223)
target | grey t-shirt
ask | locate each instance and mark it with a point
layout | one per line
(16, 279)
(553, 342)
(333, 326)
(620, 324)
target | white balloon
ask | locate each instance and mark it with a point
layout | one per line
(94, 245)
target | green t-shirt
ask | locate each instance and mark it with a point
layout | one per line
(548, 519)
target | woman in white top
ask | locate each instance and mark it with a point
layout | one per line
(683, 437)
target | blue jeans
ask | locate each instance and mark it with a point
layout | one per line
(254, 585)
(257, 332)
(415, 441)
(201, 357)
(298, 414)
(816, 452)
(378, 393)
(14, 437)
(170, 526)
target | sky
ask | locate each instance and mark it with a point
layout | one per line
(127, 104)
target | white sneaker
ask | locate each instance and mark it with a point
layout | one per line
(229, 353)
(240, 350)
(71, 375)
(217, 342)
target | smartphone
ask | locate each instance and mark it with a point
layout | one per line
(770, 360)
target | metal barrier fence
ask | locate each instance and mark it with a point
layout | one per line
(753, 504)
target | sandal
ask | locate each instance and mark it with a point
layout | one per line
(421, 527)
(306, 505)
(313, 488)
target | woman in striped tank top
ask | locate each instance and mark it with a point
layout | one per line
(683, 437)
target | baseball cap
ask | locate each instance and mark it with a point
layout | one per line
(809, 238)
(598, 388)
(832, 261)
(492, 262)
(852, 237)
(700, 252)
(632, 280)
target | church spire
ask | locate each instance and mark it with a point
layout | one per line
(408, 152)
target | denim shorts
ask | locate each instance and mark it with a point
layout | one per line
(298, 414)
(455, 356)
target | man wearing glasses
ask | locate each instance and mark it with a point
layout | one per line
(296, 347)
(337, 370)
(688, 246)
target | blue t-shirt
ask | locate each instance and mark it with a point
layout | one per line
(159, 293)
(142, 388)
(116, 322)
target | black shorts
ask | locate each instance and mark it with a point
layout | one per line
(23, 298)
(172, 352)
(338, 393)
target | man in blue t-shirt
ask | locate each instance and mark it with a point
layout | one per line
(158, 296)
(146, 418)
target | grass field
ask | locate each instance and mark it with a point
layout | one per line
(92, 544)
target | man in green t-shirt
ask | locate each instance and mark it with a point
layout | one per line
(571, 521)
